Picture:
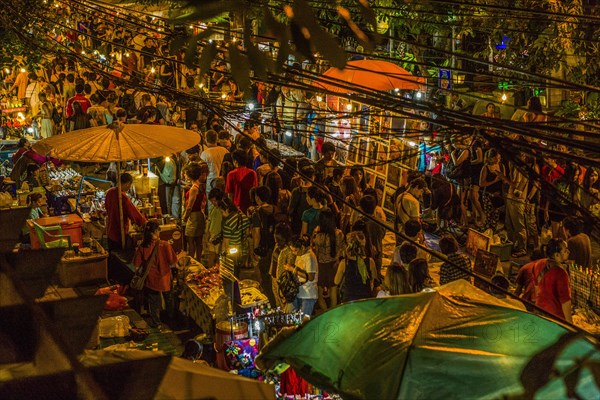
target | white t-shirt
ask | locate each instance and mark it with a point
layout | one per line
(308, 262)
(407, 207)
(213, 156)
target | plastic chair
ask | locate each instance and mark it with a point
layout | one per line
(57, 241)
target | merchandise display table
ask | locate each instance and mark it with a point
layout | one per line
(89, 266)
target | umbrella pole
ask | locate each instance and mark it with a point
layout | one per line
(122, 225)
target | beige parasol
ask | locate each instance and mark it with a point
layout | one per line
(118, 142)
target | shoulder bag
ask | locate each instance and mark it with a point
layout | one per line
(139, 278)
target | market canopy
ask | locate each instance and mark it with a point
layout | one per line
(368, 75)
(118, 142)
(456, 342)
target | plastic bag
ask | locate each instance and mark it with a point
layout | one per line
(114, 326)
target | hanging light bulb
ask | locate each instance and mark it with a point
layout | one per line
(167, 159)
(319, 99)
(152, 70)
(223, 96)
(349, 107)
(504, 97)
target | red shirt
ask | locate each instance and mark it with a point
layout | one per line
(553, 290)
(552, 174)
(81, 99)
(159, 275)
(239, 182)
(130, 212)
(525, 280)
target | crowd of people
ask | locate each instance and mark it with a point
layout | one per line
(318, 223)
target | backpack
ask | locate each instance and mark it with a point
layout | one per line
(128, 103)
(267, 228)
(289, 286)
(457, 172)
(56, 117)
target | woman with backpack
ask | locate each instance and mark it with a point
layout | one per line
(356, 273)
(285, 284)
(305, 268)
(327, 244)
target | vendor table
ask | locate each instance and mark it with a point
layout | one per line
(71, 225)
(84, 268)
(198, 309)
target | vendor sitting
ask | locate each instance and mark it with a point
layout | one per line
(33, 176)
(130, 212)
(36, 201)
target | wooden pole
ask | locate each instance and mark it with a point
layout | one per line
(121, 219)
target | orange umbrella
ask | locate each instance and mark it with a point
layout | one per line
(368, 75)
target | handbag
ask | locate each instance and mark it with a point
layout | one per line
(139, 278)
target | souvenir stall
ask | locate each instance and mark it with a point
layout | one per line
(385, 144)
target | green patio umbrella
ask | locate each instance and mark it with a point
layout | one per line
(457, 342)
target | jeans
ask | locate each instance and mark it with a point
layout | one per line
(155, 304)
(173, 199)
(304, 305)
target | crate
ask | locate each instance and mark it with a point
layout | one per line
(503, 250)
(78, 271)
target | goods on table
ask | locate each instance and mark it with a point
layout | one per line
(251, 297)
(203, 281)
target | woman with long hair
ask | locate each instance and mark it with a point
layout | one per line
(306, 269)
(195, 200)
(356, 272)
(589, 195)
(492, 177)
(395, 282)
(418, 276)
(280, 197)
(158, 256)
(534, 112)
(327, 244)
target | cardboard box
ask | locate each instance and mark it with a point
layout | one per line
(78, 271)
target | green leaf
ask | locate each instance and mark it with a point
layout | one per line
(205, 10)
(240, 68)
(259, 61)
(208, 54)
(275, 27)
(192, 47)
(571, 380)
(368, 14)
(538, 371)
(302, 44)
(177, 42)
(323, 41)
